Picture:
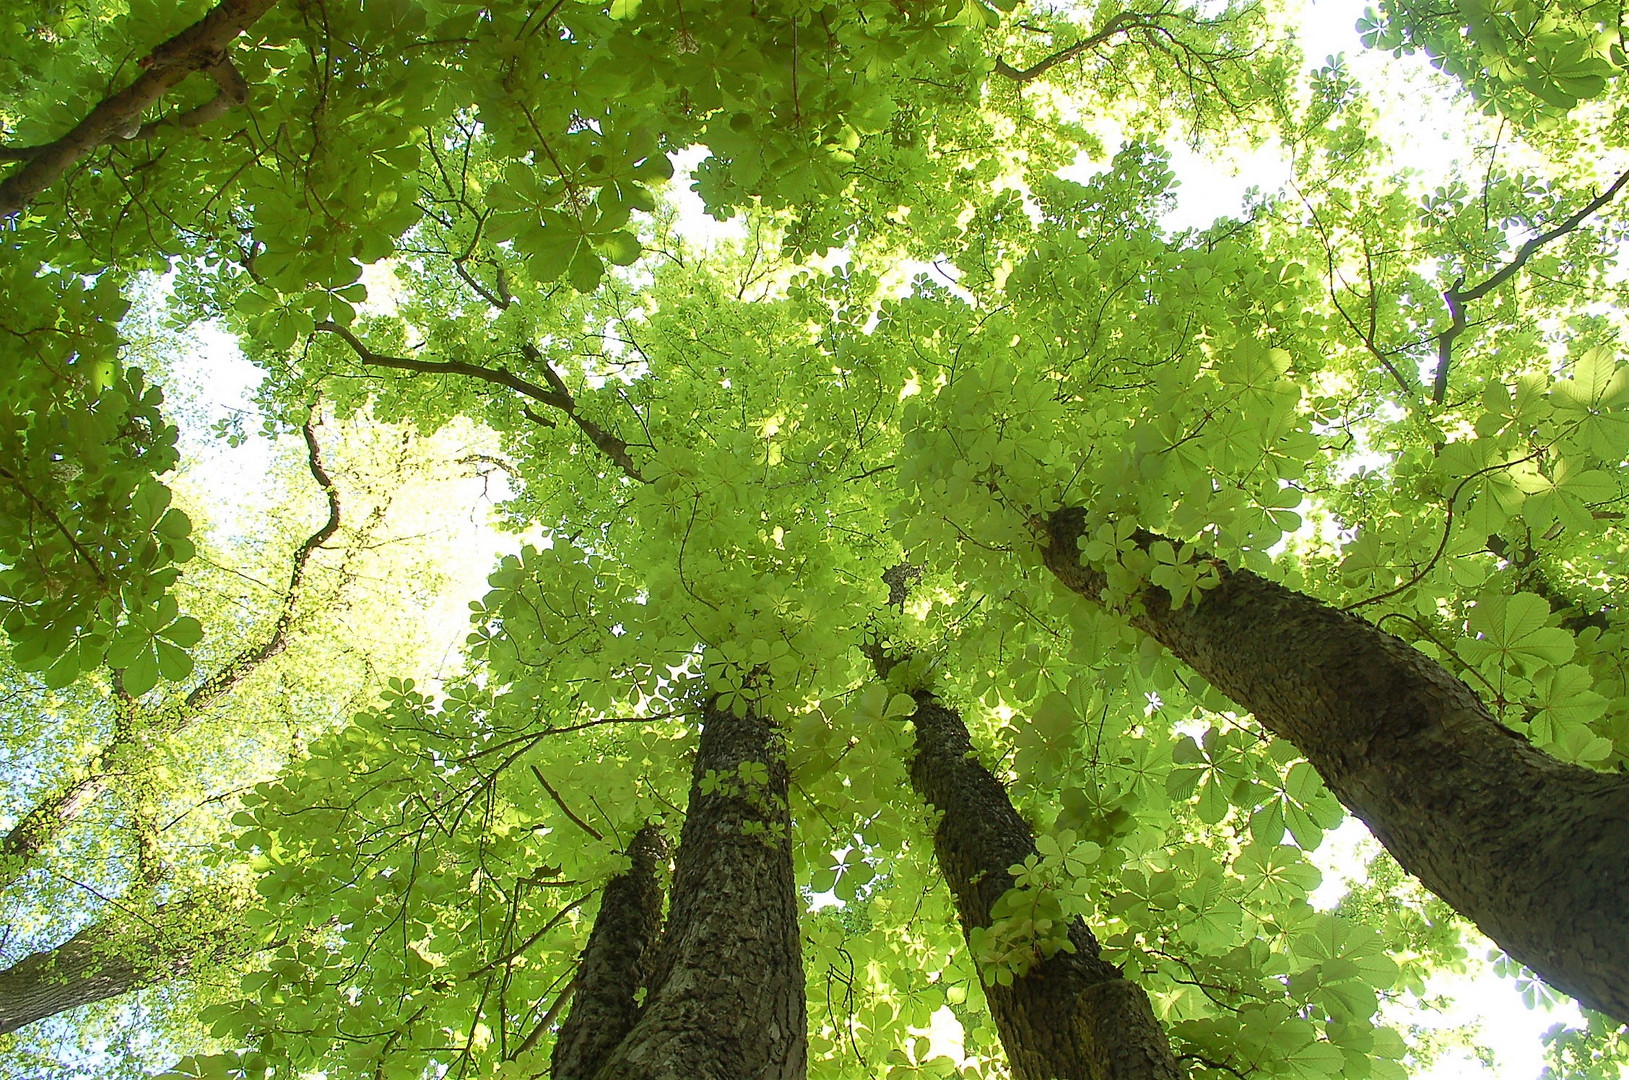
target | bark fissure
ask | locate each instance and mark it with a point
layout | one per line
(1533, 850)
(1072, 1016)
(614, 963)
(725, 994)
(119, 954)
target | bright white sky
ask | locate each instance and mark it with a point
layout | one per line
(1418, 121)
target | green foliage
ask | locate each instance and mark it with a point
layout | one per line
(1531, 61)
(715, 453)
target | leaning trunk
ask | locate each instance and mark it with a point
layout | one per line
(614, 964)
(116, 956)
(1073, 1015)
(725, 995)
(1531, 849)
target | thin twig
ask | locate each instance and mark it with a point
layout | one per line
(561, 803)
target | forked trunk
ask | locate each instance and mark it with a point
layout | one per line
(725, 997)
(614, 964)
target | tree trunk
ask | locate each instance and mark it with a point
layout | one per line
(614, 963)
(116, 955)
(23, 843)
(1072, 1016)
(1533, 850)
(725, 995)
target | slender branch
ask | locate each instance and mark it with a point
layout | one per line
(1217, 1066)
(548, 1019)
(200, 47)
(50, 515)
(561, 803)
(499, 376)
(231, 90)
(558, 917)
(556, 396)
(41, 824)
(1447, 531)
(1457, 297)
(1126, 20)
(608, 444)
(245, 662)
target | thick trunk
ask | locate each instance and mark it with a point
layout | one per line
(725, 994)
(614, 963)
(1072, 1016)
(115, 956)
(1531, 849)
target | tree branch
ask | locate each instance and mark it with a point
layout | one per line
(200, 47)
(607, 443)
(1126, 20)
(369, 358)
(241, 665)
(556, 396)
(231, 90)
(1457, 297)
(561, 803)
(549, 1018)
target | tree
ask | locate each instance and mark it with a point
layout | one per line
(114, 879)
(726, 452)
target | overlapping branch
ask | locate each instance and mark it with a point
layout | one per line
(556, 395)
(241, 665)
(36, 829)
(1126, 20)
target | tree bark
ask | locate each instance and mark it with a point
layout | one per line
(116, 955)
(1073, 1016)
(614, 963)
(1533, 850)
(200, 47)
(725, 997)
(36, 829)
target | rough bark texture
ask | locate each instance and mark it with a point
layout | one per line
(1073, 1016)
(200, 47)
(614, 963)
(115, 956)
(725, 997)
(1533, 850)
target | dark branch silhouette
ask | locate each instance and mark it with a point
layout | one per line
(556, 395)
(1457, 297)
(1124, 21)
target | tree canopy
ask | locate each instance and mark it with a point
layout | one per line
(954, 586)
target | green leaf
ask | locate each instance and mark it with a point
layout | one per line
(1512, 631)
(899, 705)
(173, 663)
(141, 672)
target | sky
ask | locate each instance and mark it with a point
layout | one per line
(1419, 122)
